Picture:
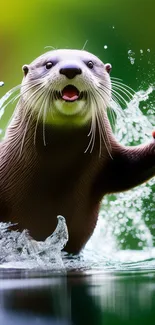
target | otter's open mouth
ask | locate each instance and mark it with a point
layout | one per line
(70, 94)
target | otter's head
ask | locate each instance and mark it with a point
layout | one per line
(69, 87)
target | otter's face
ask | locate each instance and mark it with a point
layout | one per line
(65, 86)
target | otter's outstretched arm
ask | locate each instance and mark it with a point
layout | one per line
(130, 166)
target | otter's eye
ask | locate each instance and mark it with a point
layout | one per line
(49, 65)
(90, 65)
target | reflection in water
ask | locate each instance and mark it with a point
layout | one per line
(124, 297)
(38, 300)
(77, 299)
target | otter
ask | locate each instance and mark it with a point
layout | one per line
(59, 154)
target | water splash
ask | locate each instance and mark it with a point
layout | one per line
(124, 218)
(4, 100)
(19, 250)
(131, 56)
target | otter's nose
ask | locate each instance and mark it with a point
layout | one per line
(70, 71)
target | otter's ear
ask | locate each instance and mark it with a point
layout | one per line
(25, 68)
(108, 67)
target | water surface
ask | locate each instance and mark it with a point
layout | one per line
(77, 298)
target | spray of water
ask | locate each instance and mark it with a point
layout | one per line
(126, 219)
(19, 249)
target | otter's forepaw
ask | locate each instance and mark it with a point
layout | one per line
(153, 134)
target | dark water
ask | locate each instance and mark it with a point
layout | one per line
(77, 298)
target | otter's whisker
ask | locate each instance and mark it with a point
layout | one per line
(114, 92)
(118, 96)
(24, 135)
(44, 123)
(115, 78)
(84, 46)
(111, 109)
(6, 96)
(28, 106)
(12, 100)
(32, 85)
(92, 128)
(123, 85)
(47, 104)
(112, 115)
(124, 91)
(95, 105)
(27, 101)
(99, 116)
(44, 102)
(50, 47)
(38, 117)
(105, 90)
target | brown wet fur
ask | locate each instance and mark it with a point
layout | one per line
(59, 178)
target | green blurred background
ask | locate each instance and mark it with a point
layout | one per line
(121, 32)
(111, 28)
(27, 27)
